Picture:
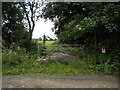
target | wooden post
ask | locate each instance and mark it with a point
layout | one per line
(38, 49)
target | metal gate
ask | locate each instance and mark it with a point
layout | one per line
(59, 47)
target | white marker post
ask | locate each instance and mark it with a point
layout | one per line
(103, 50)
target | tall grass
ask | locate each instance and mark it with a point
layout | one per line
(18, 62)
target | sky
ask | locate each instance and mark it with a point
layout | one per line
(43, 27)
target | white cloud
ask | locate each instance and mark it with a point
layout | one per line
(42, 27)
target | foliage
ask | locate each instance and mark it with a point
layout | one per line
(95, 25)
(102, 63)
(13, 30)
(32, 12)
(92, 24)
(14, 24)
(17, 62)
(13, 58)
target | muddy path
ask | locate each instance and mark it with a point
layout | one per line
(59, 81)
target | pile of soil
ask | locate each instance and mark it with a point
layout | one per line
(62, 56)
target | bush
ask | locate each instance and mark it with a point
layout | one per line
(102, 63)
(13, 58)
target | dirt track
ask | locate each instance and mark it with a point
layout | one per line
(59, 81)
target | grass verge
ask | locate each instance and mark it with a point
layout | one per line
(18, 62)
(51, 67)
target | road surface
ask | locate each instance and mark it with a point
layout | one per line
(59, 81)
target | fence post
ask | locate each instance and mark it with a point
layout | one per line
(38, 49)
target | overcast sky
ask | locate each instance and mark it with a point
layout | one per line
(42, 27)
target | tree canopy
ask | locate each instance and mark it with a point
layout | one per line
(13, 26)
(92, 24)
(19, 21)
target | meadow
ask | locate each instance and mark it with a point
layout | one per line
(47, 42)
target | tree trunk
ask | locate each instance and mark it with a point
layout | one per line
(30, 18)
(30, 35)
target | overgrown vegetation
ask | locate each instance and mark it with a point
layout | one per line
(102, 63)
(93, 25)
(19, 62)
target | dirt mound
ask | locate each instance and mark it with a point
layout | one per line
(62, 56)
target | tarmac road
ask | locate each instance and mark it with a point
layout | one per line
(59, 81)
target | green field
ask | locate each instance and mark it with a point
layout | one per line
(48, 42)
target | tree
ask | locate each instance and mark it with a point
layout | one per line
(62, 13)
(40, 39)
(13, 27)
(32, 12)
(102, 22)
(93, 24)
(49, 38)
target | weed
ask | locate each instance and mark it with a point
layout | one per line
(19, 62)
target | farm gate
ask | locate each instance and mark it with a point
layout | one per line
(60, 47)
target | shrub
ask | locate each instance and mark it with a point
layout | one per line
(13, 58)
(102, 63)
